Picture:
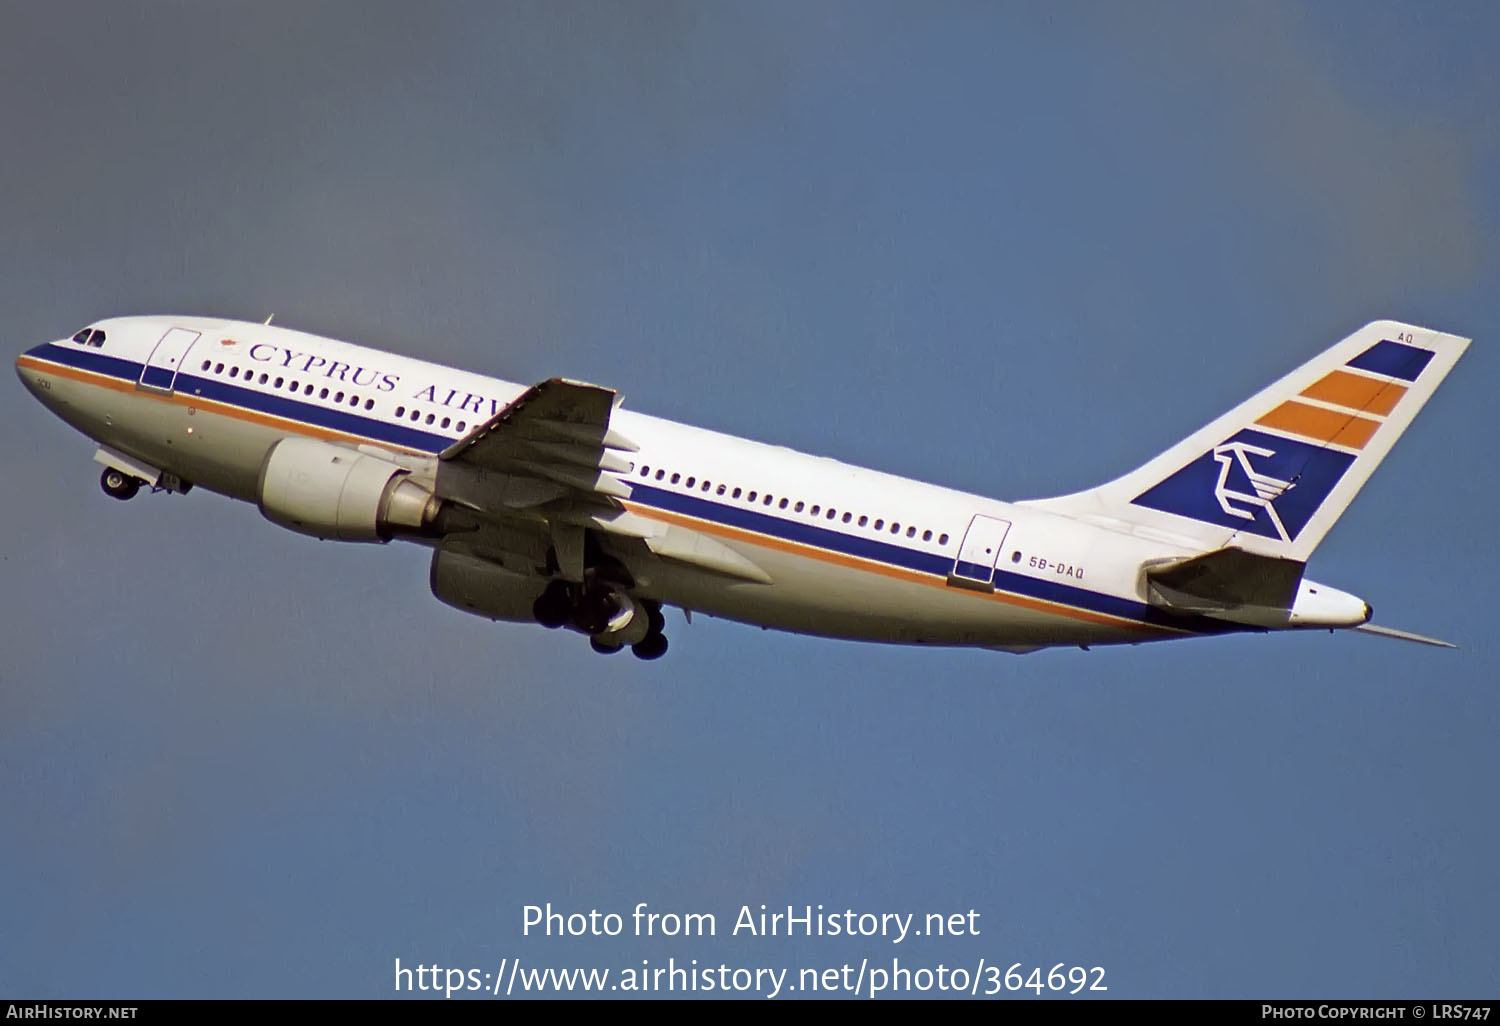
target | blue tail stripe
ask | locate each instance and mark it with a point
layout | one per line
(1394, 360)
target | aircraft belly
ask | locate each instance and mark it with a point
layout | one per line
(813, 596)
(210, 450)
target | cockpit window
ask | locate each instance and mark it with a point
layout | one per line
(90, 337)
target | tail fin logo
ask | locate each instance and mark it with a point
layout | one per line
(1255, 482)
(1265, 489)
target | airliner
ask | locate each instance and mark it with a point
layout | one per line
(554, 504)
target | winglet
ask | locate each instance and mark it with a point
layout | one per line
(1391, 632)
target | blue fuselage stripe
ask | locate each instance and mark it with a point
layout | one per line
(702, 508)
(913, 559)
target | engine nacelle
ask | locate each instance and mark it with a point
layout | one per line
(330, 491)
(483, 588)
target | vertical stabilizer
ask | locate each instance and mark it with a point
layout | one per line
(1273, 474)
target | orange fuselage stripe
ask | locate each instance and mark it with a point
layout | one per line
(885, 569)
(182, 399)
(707, 526)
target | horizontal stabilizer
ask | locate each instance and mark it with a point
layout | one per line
(1223, 582)
(1391, 632)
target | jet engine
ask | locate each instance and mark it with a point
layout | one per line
(483, 588)
(330, 491)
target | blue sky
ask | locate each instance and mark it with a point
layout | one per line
(1011, 248)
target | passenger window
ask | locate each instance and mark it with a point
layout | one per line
(234, 372)
(782, 504)
(339, 397)
(720, 491)
(264, 378)
(431, 418)
(660, 474)
(279, 383)
(832, 513)
(706, 486)
(942, 539)
(1015, 557)
(446, 422)
(645, 471)
(369, 404)
(895, 528)
(814, 510)
(879, 525)
(462, 426)
(401, 411)
(797, 508)
(848, 517)
(207, 364)
(927, 536)
(676, 477)
(736, 494)
(690, 481)
(863, 520)
(323, 393)
(219, 368)
(751, 497)
(911, 532)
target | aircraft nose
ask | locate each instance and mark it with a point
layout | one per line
(27, 370)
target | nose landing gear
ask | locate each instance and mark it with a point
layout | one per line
(118, 484)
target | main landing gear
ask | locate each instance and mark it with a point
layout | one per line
(612, 619)
(119, 485)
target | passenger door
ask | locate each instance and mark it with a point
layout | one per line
(166, 359)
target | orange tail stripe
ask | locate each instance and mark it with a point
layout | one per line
(1324, 425)
(1363, 394)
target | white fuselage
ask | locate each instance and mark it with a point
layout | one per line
(850, 552)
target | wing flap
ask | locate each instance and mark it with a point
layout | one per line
(552, 441)
(553, 454)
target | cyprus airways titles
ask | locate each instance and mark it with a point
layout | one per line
(553, 504)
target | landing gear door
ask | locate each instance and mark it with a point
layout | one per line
(975, 566)
(167, 358)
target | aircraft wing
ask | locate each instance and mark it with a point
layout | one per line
(552, 455)
(556, 432)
